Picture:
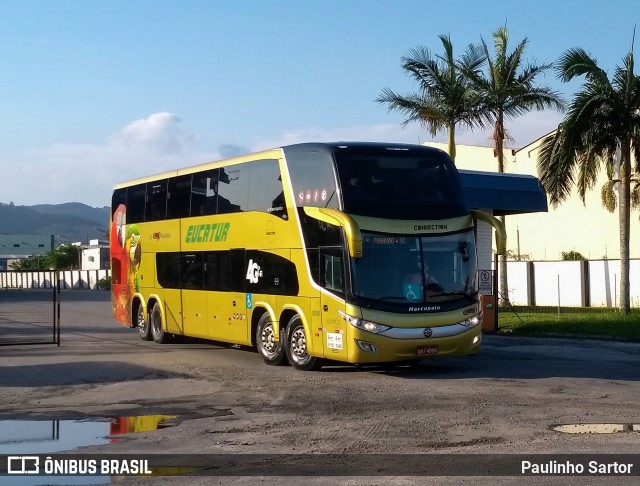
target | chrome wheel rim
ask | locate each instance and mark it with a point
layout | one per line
(268, 344)
(299, 345)
(142, 322)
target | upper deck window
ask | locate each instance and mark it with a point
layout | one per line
(313, 179)
(399, 184)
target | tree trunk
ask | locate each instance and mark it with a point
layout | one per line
(452, 142)
(625, 218)
(498, 144)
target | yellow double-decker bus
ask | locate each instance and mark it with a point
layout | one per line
(348, 252)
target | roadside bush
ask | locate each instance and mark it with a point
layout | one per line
(105, 283)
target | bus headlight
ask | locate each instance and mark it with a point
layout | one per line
(472, 322)
(368, 326)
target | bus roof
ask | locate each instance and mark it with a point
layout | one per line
(277, 153)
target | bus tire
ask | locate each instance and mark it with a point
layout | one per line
(271, 351)
(142, 323)
(296, 347)
(155, 323)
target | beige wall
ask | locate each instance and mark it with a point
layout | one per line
(586, 228)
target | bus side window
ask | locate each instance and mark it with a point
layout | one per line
(168, 269)
(136, 196)
(332, 267)
(265, 188)
(233, 189)
(156, 207)
(313, 179)
(192, 271)
(216, 270)
(178, 195)
(204, 193)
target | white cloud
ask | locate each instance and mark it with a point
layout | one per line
(86, 173)
(159, 133)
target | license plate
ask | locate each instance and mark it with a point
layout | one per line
(427, 350)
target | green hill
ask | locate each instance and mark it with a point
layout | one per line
(67, 222)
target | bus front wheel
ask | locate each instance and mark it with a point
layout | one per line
(296, 347)
(272, 351)
(155, 322)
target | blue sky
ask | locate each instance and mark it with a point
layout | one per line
(96, 92)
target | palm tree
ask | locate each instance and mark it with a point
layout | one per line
(602, 125)
(445, 98)
(509, 90)
(608, 193)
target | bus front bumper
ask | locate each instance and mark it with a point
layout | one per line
(413, 344)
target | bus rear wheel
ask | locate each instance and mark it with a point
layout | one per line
(142, 323)
(272, 351)
(296, 347)
(155, 323)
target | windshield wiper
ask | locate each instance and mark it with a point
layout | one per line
(468, 295)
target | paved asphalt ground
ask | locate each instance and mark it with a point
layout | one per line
(506, 401)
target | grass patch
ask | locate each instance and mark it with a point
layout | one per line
(585, 322)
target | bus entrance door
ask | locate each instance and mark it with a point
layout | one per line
(334, 327)
(332, 279)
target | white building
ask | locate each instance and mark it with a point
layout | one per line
(95, 256)
(14, 247)
(587, 228)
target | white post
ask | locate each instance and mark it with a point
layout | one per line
(558, 296)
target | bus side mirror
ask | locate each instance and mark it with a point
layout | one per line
(335, 216)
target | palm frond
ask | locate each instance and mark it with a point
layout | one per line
(577, 62)
(635, 193)
(555, 167)
(608, 195)
(588, 166)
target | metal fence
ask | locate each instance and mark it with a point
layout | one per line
(65, 279)
(30, 316)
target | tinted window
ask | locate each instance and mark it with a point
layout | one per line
(237, 277)
(178, 196)
(233, 189)
(318, 233)
(332, 269)
(324, 251)
(313, 179)
(168, 268)
(156, 201)
(119, 197)
(228, 271)
(217, 270)
(265, 188)
(411, 184)
(204, 191)
(192, 271)
(267, 273)
(136, 197)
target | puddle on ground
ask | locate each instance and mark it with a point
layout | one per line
(52, 436)
(596, 428)
(48, 436)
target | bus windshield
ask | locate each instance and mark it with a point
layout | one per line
(399, 184)
(415, 269)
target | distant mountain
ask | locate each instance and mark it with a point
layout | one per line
(67, 222)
